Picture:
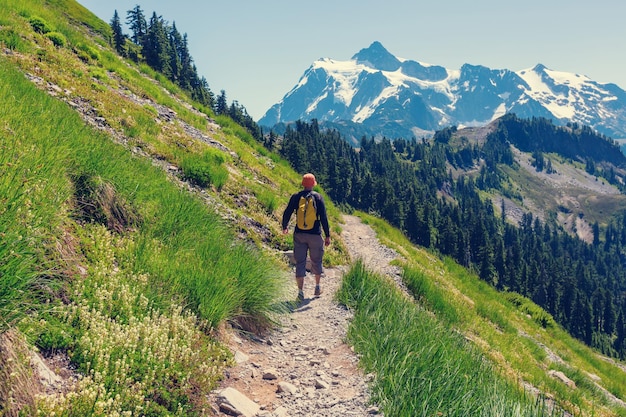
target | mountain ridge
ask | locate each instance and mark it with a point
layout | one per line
(152, 141)
(393, 97)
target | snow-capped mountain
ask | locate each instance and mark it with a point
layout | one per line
(381, 95)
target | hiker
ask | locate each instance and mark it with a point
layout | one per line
(307, 235)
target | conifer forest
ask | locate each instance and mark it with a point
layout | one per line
(408, 183)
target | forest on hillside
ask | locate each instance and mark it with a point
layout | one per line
(408, 183)
(160, 45)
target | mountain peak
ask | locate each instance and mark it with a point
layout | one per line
(382, 95)
(376, 56)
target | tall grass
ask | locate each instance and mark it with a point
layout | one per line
(427, 293)
(516, 335)
(206, 169)
(185, 247)
(32, 191)
(422, 367)
(177, 273)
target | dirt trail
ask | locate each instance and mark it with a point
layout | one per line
(307, 358)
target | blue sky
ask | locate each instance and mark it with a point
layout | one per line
(257, 50)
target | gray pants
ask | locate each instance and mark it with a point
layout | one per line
(314, 244)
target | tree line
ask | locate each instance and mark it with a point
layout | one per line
(409, 184)
(162, 47)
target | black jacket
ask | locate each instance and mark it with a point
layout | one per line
(321, 223)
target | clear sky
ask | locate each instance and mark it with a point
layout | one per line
(257, 50)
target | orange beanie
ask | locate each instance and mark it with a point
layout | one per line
(308, 181)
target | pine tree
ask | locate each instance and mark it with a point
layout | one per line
(187, 76)
(176, 46)
(609, 315)
(119, 39)
(596, 233)
(201, 91)
(619, 344)
(156, 46)
(582, 319)
(221, 107)
(270, 141)
(137, 24)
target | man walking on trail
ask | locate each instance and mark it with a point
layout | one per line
(307, 236)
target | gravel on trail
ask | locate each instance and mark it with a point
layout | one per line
(305, 367)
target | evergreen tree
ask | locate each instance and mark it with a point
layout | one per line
(596, 233)
(137, 24)
(270, 141)
(609, 315)
(165, 50)
(221, 106)
(201, 92)
(119, 39)
(156, 46)
(590, 166)
(619, 343)
(175, 58)
(538, 160)
(187, 74)
(582, 319)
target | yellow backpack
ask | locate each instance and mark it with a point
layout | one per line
(306, 214)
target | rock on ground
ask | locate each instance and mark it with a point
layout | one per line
(305, 368)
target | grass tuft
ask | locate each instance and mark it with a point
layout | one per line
(206, 169)
(423, 367)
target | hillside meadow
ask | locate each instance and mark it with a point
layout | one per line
(137, 226)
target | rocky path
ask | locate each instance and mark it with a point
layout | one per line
(305, 368)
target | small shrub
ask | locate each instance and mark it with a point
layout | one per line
(58, 39)
(97, 87)
(11, 39)
(97, 201)
(82, 55)
(86, 52)
(538, 314)
(54, 335)
(39, 25)
(268, 200)
(42, 55)
(205, 170)
(98, 73)
(514, 298)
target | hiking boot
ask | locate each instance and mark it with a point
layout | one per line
(300, 297)
(318, 291)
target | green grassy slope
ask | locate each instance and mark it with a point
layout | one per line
(111, 255)
(522, 342)
(107, 253)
